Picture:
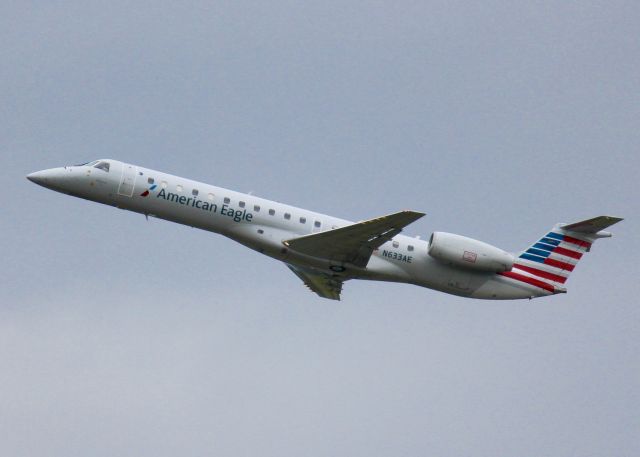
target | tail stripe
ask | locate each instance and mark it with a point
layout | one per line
(557, 246)
(570, 239)
(528, 280)
(544, 267)
(573, 247)
(550, 262)
(534, 258)
(541, 273)
(538, 252)
(544, 247)
(556, 251)
(563, 258)
(558, 264)
(567, 252)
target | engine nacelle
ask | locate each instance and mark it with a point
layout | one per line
(469, 253)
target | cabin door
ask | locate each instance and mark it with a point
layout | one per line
(127, 180)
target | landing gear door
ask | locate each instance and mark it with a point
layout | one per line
(127, 180)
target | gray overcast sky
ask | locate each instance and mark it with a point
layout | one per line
(498, 119)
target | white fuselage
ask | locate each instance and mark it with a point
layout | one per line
(263, 224)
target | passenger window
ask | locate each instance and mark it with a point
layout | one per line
(194, 192)
(317, 223)
(150, 180)
(303, 220)
(227, 199)
(287, 216)
(410, 248)
(103, 166)
(272, 212)
(256, 208)
(395, 244)
(241, 204)
(210, 196)
(164, 184)
(179, 188)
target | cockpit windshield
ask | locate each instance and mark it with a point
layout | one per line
(102, 166)
(87, 164)
(99, 164)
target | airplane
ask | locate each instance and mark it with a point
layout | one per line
(325, 251)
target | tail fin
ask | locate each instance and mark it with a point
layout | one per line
(548, 263)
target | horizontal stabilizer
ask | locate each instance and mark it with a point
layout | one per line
(591, 226)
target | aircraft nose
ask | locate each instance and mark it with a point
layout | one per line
(54, 178)
(38, 177)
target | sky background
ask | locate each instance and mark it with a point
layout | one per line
(498, 119)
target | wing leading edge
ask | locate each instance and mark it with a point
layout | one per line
(354, 243)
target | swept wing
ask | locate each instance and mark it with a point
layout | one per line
(354, 243)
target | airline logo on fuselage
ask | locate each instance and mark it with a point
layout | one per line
(146, 192)
(237, 215)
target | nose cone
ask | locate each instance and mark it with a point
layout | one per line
(38, 177)
(54, 178)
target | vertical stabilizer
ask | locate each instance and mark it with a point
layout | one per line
(548, 262)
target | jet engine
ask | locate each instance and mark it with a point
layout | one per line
(468, 253)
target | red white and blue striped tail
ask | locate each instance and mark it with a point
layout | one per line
(548, 263)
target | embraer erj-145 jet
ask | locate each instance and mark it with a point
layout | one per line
(325, 251)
